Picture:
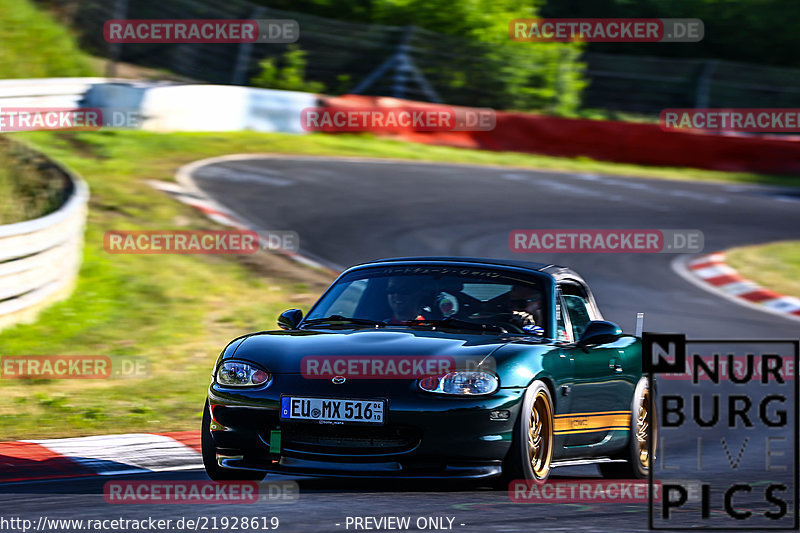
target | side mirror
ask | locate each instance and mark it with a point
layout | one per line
(290, 319)
(599, 332)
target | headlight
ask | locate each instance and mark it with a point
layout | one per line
(238, 374)
(462, 382)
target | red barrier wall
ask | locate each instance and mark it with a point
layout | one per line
(624, 142)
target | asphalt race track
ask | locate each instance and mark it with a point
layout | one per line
(348, 211)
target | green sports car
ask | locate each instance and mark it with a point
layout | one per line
(433, 367)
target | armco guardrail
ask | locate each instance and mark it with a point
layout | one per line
(46, 92)
(40, 258)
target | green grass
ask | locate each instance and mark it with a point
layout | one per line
(34, 45)
(29, 187)
(134, 145)
(775, 266)
(180, 310)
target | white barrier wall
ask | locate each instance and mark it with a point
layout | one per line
(223, 108)
(39, 259)
(165, 107)
(46, 92)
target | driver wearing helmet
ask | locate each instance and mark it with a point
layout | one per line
(526, 307)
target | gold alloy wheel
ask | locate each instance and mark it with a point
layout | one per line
(643, 428)
(540, 435)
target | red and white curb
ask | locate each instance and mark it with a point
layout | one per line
(712, 273)
(103, 455)
(199, 201)
(187, 192)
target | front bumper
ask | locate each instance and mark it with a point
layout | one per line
(424, 436)
(390, 469)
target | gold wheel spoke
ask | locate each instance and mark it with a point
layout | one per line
(643, 429)
(540, 435)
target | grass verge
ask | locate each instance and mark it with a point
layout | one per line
(180, 310)
(35, 45)
(774, 266)
(29, 187)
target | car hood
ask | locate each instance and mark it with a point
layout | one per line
(281, 352)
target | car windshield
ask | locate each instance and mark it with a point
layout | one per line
(474, 299)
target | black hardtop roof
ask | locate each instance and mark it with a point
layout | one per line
(547, 268)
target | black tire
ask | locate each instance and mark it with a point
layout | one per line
(525, 460)
(643, 427)
(214, 471)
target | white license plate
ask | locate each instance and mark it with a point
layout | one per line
(331, 410)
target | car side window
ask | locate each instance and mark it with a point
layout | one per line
(577, 306)
(578, 313)
(561, 324)
(348, 300)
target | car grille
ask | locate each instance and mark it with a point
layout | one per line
(349, 440)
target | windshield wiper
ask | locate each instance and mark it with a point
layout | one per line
(451, 322)
(344, 320)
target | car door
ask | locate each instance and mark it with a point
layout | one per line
(597, 394)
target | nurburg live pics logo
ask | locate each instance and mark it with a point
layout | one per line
(742, 425)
